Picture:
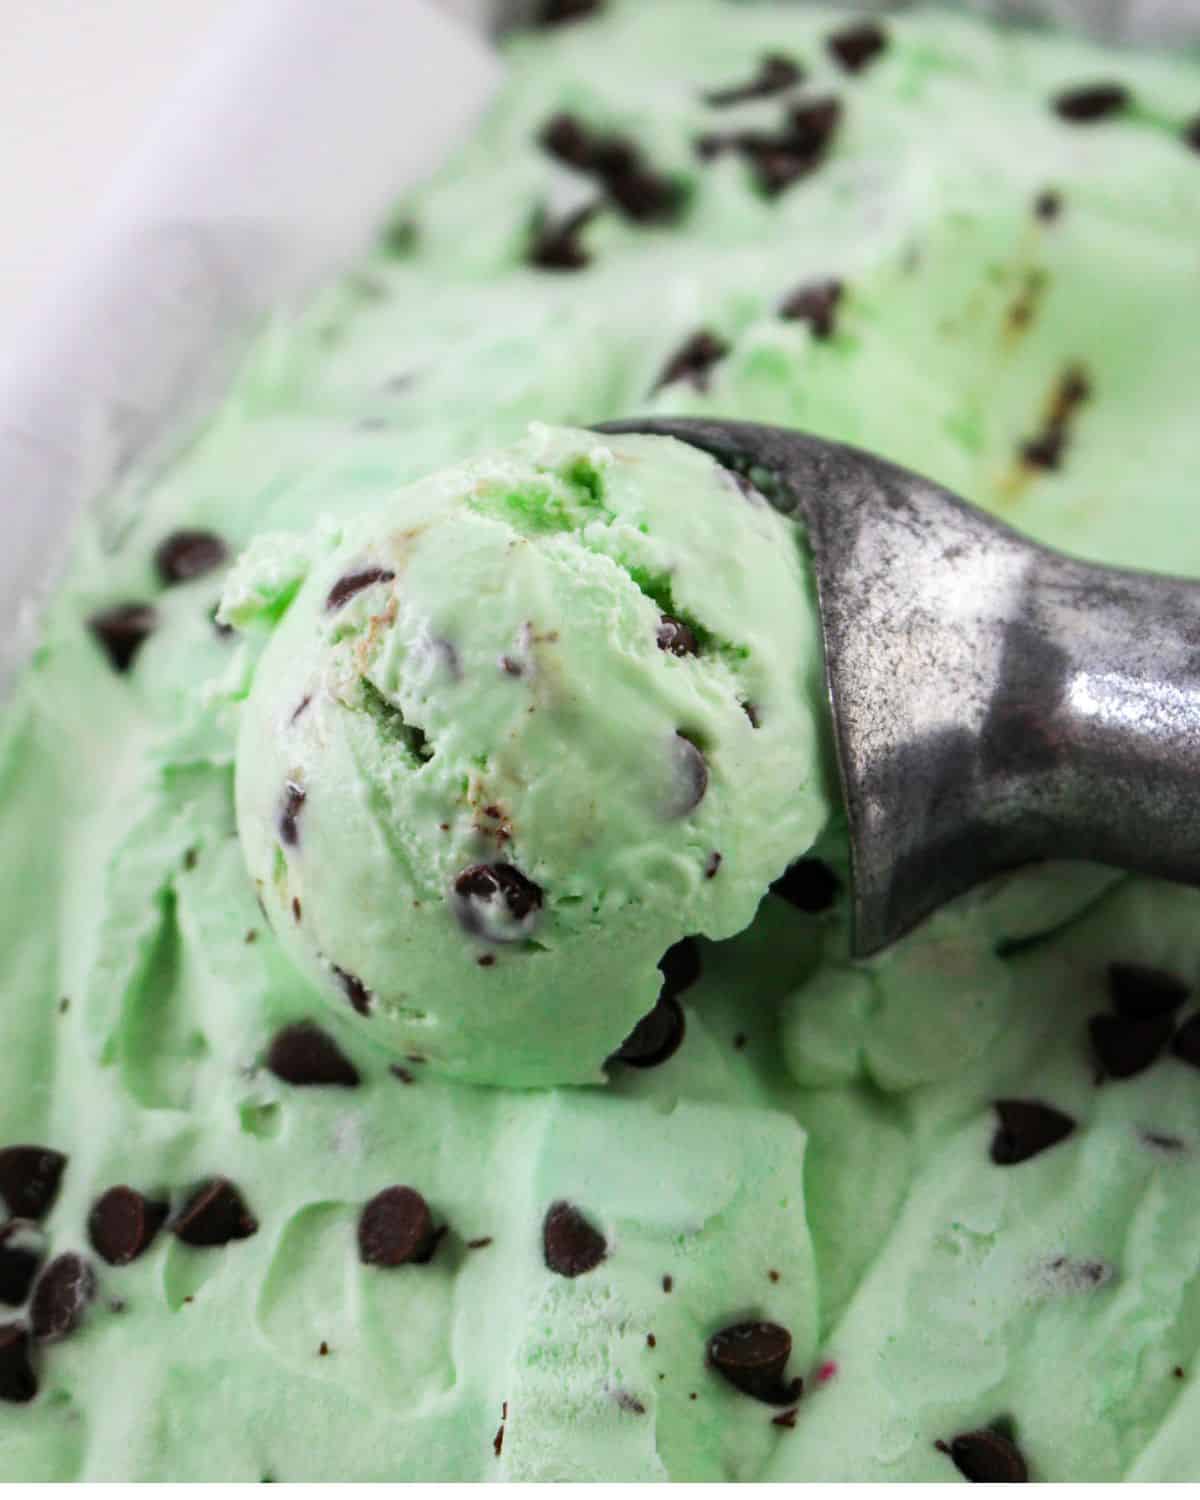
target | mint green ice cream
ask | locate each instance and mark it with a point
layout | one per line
(560, 705)
(303, 1190)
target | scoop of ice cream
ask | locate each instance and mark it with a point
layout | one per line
(520, 731)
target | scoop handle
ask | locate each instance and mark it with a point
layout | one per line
(994, 702)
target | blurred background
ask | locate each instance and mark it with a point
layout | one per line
(82, 79)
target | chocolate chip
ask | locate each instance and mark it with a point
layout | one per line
(1045, 451)
(511, 667)
(752, 1357)
(496, 902)
(668, 1283)
(1069, 1275)
(677, 637)
(1127, 1048)
(1026, 1129)
(29, 1180)
(1048, 205)
(354, 990)
(854, 47)
(122, 630)
(1095, 101)
(1140, 992)
(694, 360)
(22, 1250)
(498, 1441)
(396, 1229)
(988, 1457)
(680, 967)
(1191, 134)
(647, 197)
(809, 885)
(571, 1245)
(61, 1298)
(294, 796)
(786, 1418)
(775, 75)
(214, 1214)
(556, 12)
(627, 1401)
(556, 245)
(18, 1383)
(354, 583)
(569, 141)
(123, 1223)
(296, 908)
(690, 776)
(300, 707)
(781, 158)
(655, 1038)
(712, 864)
(481, 1243)
(397, 1070)
(815, 303)
(185, 555)
(1186, 1045)
(304, 1055)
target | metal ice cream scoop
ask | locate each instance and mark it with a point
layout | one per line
(994, 702)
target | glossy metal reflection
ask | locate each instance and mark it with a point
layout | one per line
(994, 702)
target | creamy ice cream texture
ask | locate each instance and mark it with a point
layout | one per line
(518, 734)
(951, 1190)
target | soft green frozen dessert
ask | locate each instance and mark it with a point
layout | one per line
(931, 1217)
(518, 733)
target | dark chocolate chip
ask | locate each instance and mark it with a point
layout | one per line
(18, 1383)
(61, 1298)
(294, 796)
(571, 1245)
(647, 197)
(1027, 1128)
(498, 1441)
(1077, 1275)
(304, 1055)
(354, 583)
(694, 360)
(568, 140)
(1186, 1045)
(752, 1357)
(300, 707)
(296, 908)
(677, 637)
(680, 967)
(1191, 134)
(354, 990)
(811, 125)
(786, 1418)
(556, 245)
(1127, 1048)
(214, 1214)
(627, 1401)
(481, 1243)
(122, 630)
(123, 1223)
(396, 1229)
(1047, 206)
(809, 885)
(185, 555)
(496, 902)
(655, 1038)
(854, 47)
(1046, 450)
(22, 1250)
(556, 12)
(815, 303)
(781, 158)
(1140, 992)
(775, 75)
(691, 776)
(988, 1457)
(712, 864)
(1096, 101)
(29, 1180)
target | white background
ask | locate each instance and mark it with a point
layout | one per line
(80, 82)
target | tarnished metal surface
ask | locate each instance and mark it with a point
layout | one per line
(994, 702)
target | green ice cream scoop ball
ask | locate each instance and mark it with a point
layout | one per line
(516, 732)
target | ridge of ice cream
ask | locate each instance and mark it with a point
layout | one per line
(517, 734)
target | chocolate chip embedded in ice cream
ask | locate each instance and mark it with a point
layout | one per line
(123, 1223)
(396, 1229)
(497, 902)
(571, 1243)
(753, 1356)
